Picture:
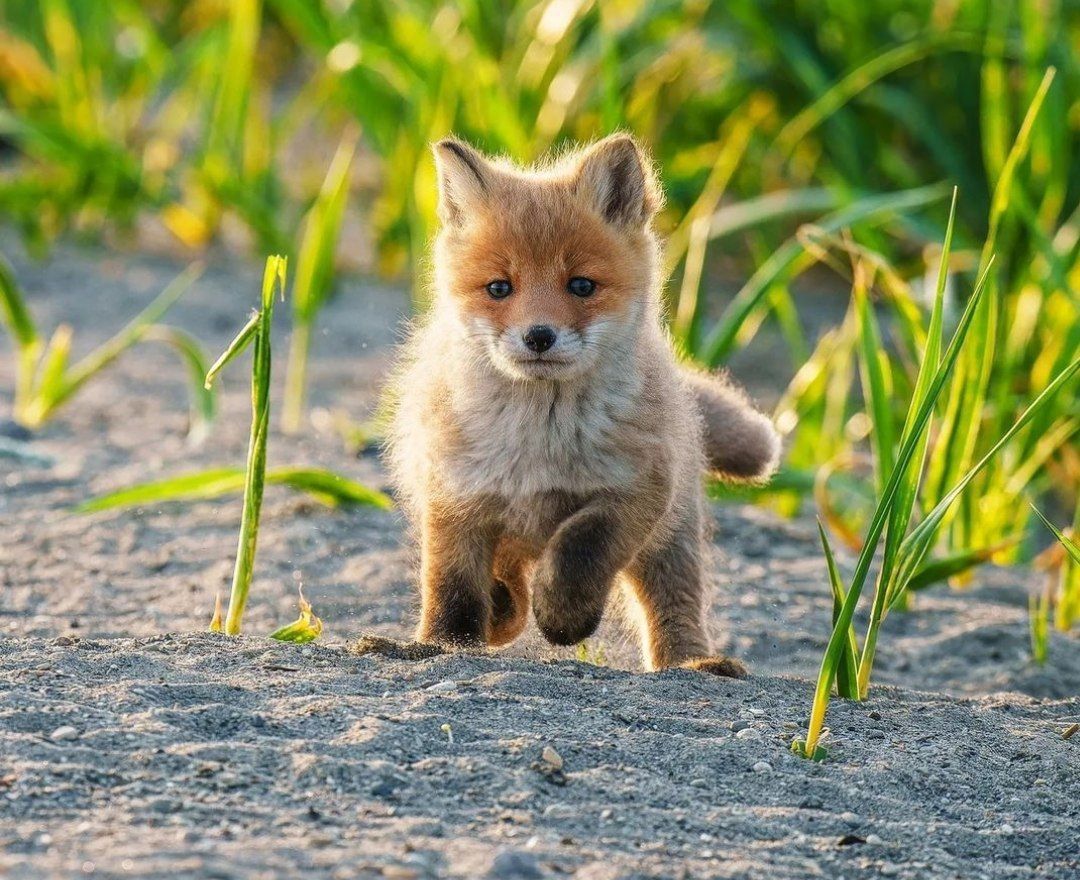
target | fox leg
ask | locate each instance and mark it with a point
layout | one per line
(577, 569)
(457, 549)
(667, 582)
(510, 592)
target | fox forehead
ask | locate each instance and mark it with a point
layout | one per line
(536, 233)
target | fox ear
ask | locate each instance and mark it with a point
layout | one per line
(464, 179)
(617, 178)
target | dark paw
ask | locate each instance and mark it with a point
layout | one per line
(567, 629)
(459, 620)
(728, 667)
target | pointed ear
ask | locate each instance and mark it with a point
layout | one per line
(464, 179)
(617, 178)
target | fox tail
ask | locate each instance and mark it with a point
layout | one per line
(741, 444)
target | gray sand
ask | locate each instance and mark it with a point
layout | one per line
(189, 755)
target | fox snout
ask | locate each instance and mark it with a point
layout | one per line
(539, 351)
(539, 338)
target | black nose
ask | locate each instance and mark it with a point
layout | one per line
(539, 338)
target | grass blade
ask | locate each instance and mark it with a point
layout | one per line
(202, 398)
(726, 332)
(306, 628)
(13, 309)
(935, 571)
(235, 348)
(1039, 622)
(56, 393)
(847, 672)
(26, 341)
(314, 274)
(324, 486)
(876, 381)
(1071, 547)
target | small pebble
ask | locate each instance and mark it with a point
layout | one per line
(1007, 828)
(559, 811)
(747, 733)
(64, 733)
(849, 818)
(442, 687)
(740, 724)
(763, 767)
(552, 757)
(873, 839)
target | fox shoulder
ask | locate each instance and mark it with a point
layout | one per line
(740, 442)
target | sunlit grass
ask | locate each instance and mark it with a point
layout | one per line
(904, 551)
(314, 275)
(45, 380)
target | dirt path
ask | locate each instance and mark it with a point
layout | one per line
(190, 757)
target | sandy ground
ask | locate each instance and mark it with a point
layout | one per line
(131, 744)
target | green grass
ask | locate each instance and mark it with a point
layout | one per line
(314, 275)
(324, 486)
(255, 472)
(45, 380)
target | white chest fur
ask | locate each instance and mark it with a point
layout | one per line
(520, 439)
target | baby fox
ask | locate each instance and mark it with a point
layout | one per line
(545, 441)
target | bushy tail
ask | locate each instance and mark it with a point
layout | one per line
(741, 443)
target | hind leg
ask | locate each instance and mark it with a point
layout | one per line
(667, 583)
(510, 592)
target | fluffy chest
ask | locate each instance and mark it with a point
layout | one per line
(520, 440)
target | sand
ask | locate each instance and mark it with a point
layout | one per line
(134, 744)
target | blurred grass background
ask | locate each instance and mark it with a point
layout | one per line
(792, 137)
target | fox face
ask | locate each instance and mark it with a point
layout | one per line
(547, 272)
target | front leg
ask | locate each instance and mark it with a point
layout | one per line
(455, 576)
(575, 573)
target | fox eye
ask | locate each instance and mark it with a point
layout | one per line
(579, 286)
(499, 289)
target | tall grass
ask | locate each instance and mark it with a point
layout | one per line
(45, 380)
(315, 274)
(905, 551)
(324, 486)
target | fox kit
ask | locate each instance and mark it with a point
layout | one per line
(546, 443)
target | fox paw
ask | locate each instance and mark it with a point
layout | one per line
(728, 667)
